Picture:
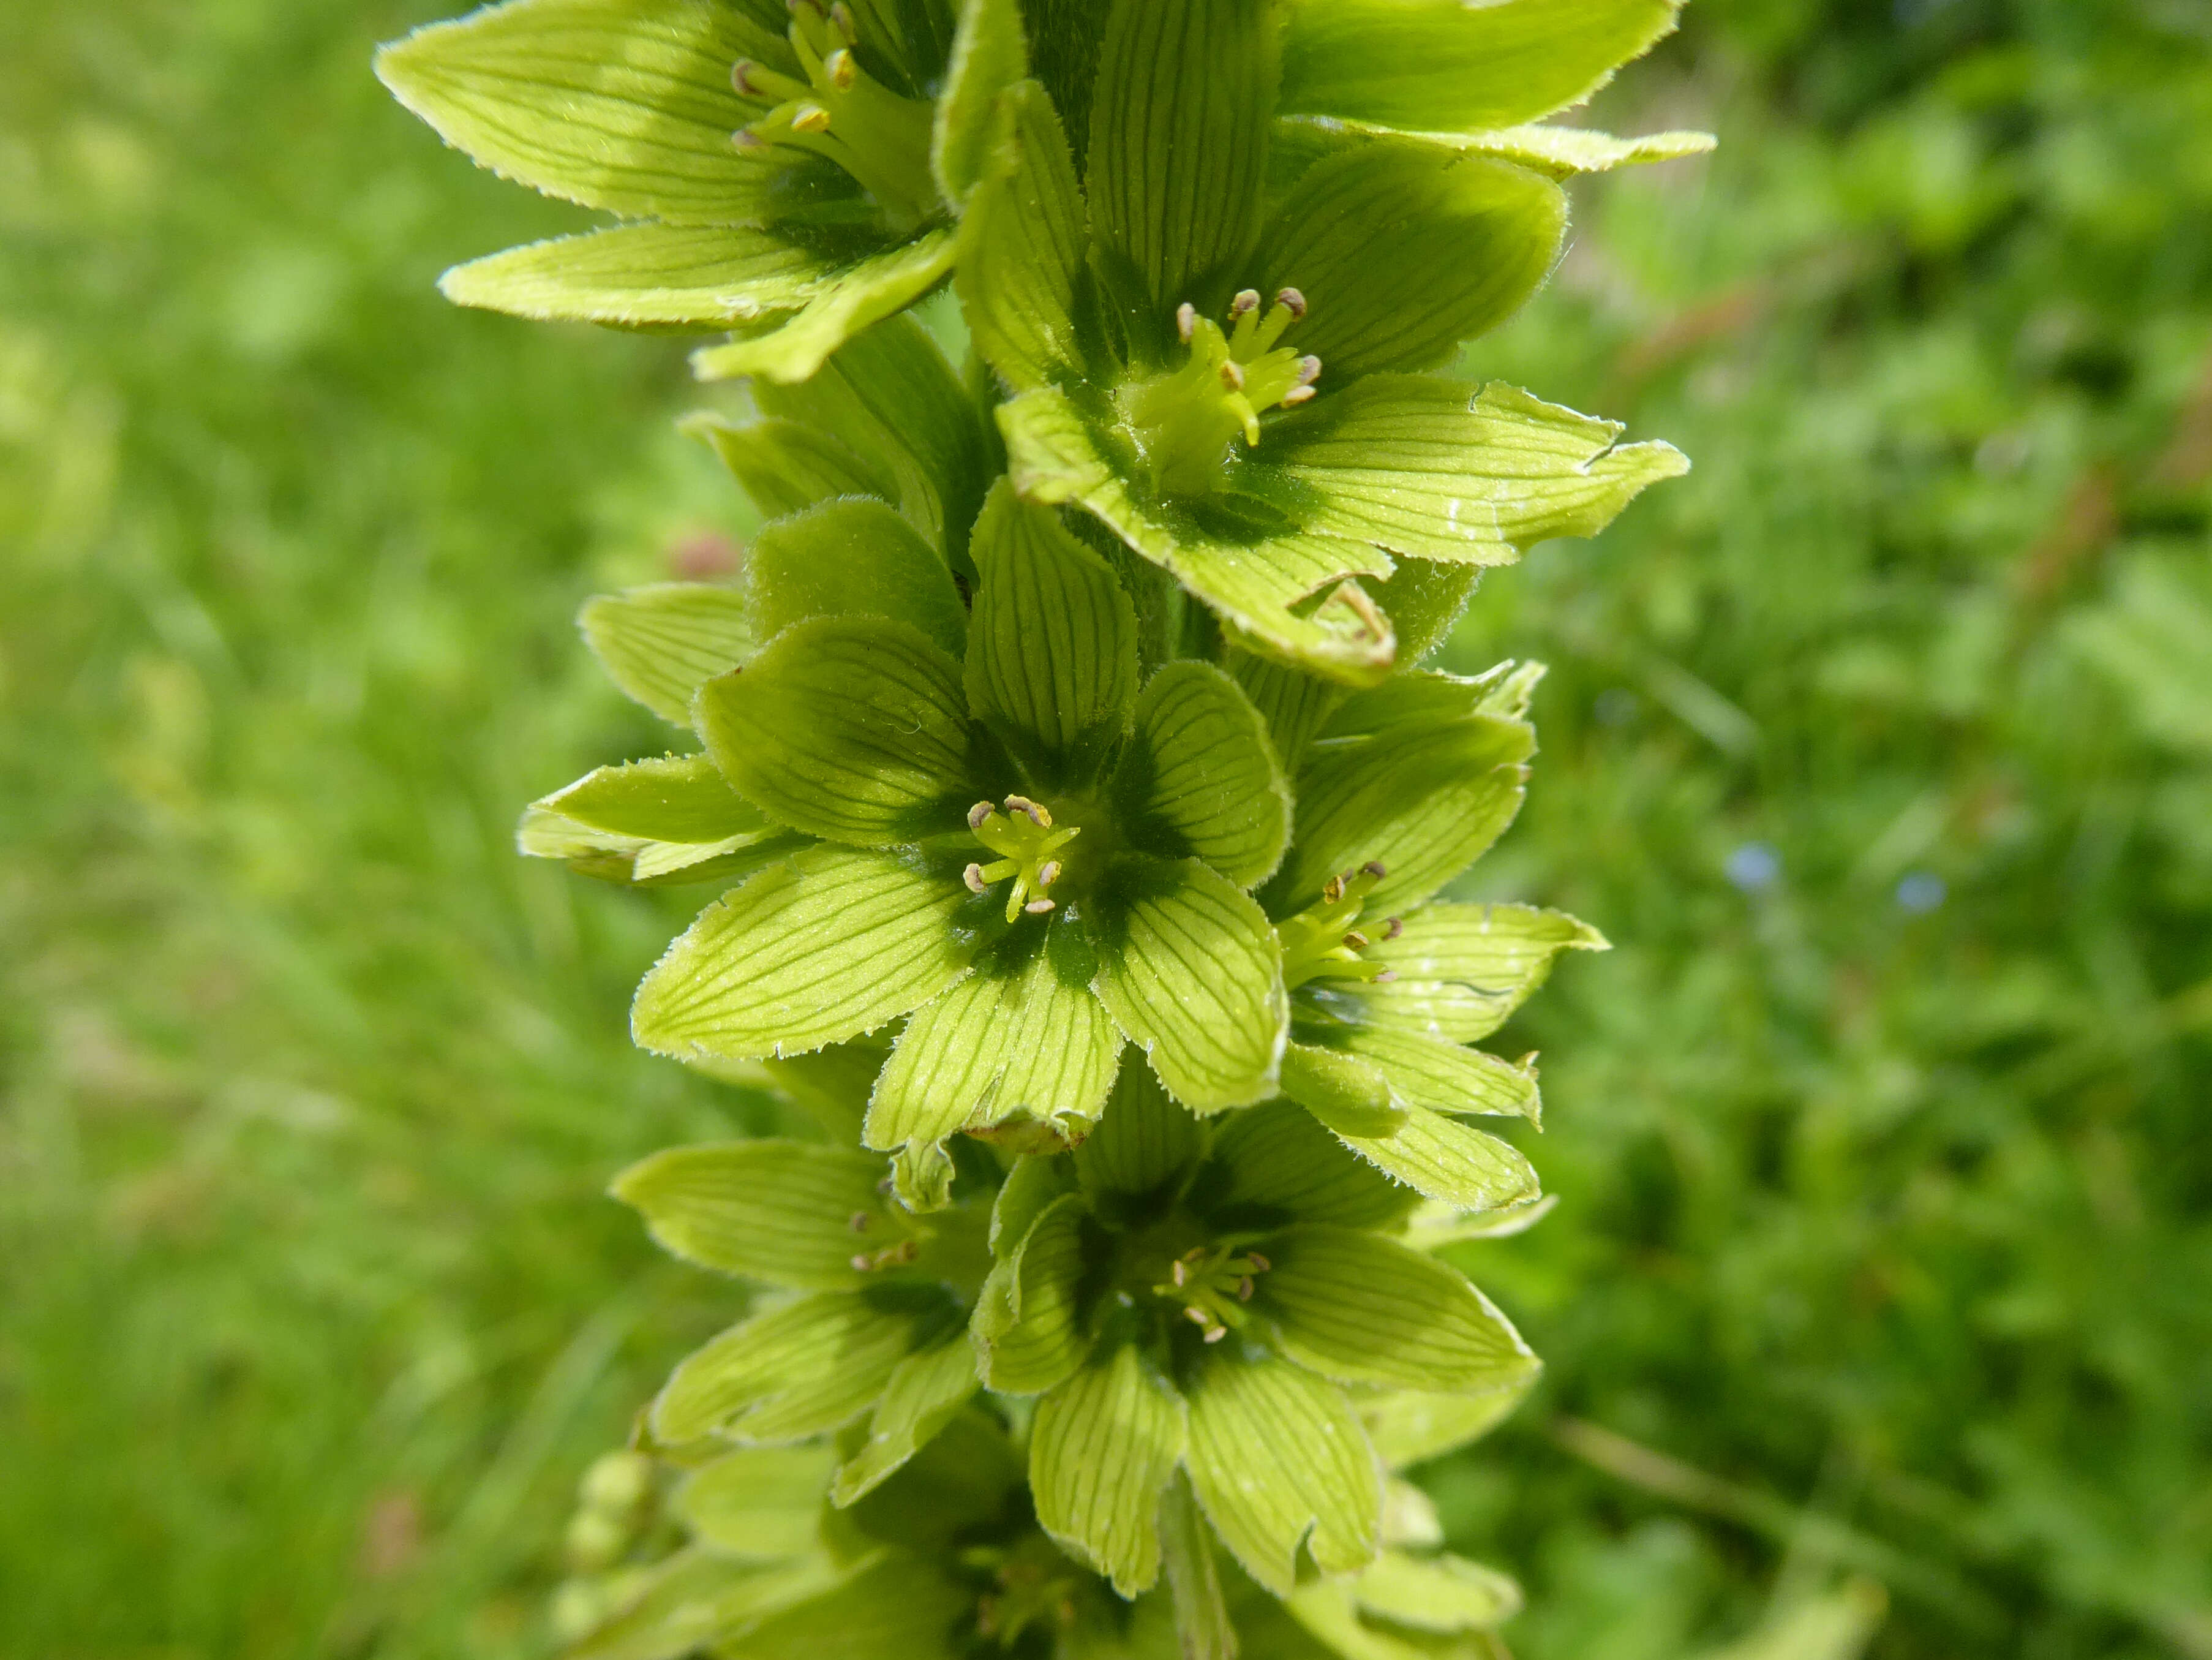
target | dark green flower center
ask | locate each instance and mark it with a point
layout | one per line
(841, 111)
(1320, 942)
(1183, 422)
(1031, 1587)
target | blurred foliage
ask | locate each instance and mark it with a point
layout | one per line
(1881, 745)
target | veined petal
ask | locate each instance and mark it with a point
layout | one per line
(843, 302)
(1462, 969)
(1273, 1165)
(849, 558)
(791, 1373)
(1445, 1077)
(1053, 666)
(1556, 152)
(830, 944)
(1103, 1444)
(703, 277)
(1444, 64)
(1276, 1454)
(623, 105)
(1192, 973)
(1440, 1593)
(1027, 1334)
(661, 642)
(760, 1504)
(1401, 259)
(988, 56)
(1415, 465)
(1409, 1426)
(1361, 1309)
(919, 1398)
(1445, 1160)
(1146, 1143)
(1199, 778)
(787, 466)
(996, 1047)
(848, 728)
(1261, 588)
(1023, 241)
(785, 1213)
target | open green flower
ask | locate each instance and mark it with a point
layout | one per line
(1399, 790)
(1207, 1300)
(790, 173)
(739, 1554)
(1006, 838)
(1226, 386)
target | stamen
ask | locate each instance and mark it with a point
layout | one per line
(810, 118)
(979, 813)
(1024, 837)
(1186, 320)
(1247, 300)
(892, 1257)
(839, 68)
(1291, 301)
(973, 876)
(1212, 1284)
(1232, 376)
(1319, 943)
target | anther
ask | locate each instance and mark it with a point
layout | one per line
(1186, 321)
(1374, 868)
(1246, 300)
(741, 78)
(744, 140)
(1357, 940)
(1291, 301)
(1296, 396)
(1391, 928)
(1039, 907)
(1245, 1289)
(1039, 814)
(1260, 1264)
(1048, 873)
(839, 68)
(859, 1221)
(978, 814)
(1232, 374)
(810, 118)
(973, 876)
(1309, 370)
(1385, 976)
(841, 16)
(1332, 890)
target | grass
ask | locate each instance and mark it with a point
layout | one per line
(1881, 745)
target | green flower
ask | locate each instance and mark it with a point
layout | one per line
(1226, 386)
(788, 173)
(739, 1554)
(1001, 836)
(1212, 1301)
(1399, 790)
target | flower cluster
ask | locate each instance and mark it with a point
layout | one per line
(1083, 822)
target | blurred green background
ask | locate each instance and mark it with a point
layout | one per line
(1878, 1303)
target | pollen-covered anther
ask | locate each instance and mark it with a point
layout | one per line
(1232, 376)
(1319, 942)
(809, 117)
(839, 68)
(1246, 300)
(892, 1257)
(973, 876)
(1027, 843)
(1186, 321)
(1291, 301)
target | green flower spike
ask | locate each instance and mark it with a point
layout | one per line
(789, 174)
(1001, 836)
(1275, 455)
(1401, 789)
(737, 1554)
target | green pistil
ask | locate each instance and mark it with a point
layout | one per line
(1028, 849)
(1320, 942)
(1185, 422)
(1213, 1283)
(841, 111)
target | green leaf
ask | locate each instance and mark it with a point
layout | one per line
(1102, 1448)
(1200, 777)
(924, 1393)
(1274, 1165)
(1443, 64)
(1025, 1325)
(828, 945)
(988, 56)
(1414, 465)
(1053, 457)
(896, 1607)
(1192, 973)
(702, 278)
(623, 105)
(759, 1503)
(1423, 801)
(798, 1370)
(661, 642)
(1410, 1426)
(786, 1213)
(853, 728)
(850, 558)
(1428, 1072)
(1445, 1160)
(1145, 1142)
(1437, 1593)
(1343, 1091)
(677, 798)
(1023, 243)
(785, 466)
(1179, 140)
(1053, 666)
(1361, 1309)
(844, 302)
(995, 1048)
(889, 395)
(1276, 1452)
(1462, 970)
(1400, 258)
